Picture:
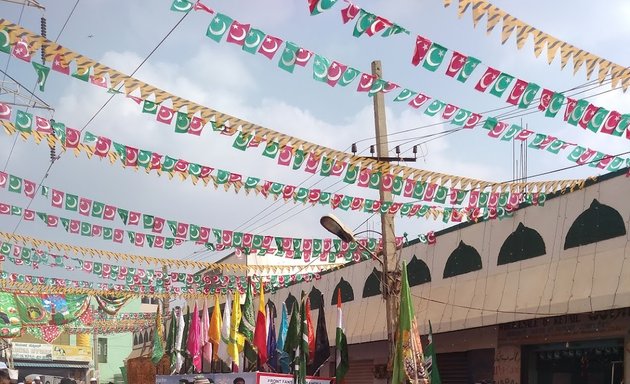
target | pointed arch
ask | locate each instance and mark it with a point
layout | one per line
(372, 286)
(347, 293)
(418, 272)
(598, 223)
(462, 260)
(522, 244)
(315, 297)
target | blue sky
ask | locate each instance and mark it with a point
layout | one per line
(121, 33)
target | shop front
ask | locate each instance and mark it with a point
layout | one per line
(51, 360)
(577, 348)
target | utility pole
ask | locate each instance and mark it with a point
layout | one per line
(387, 221)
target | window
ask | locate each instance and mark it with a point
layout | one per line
(102, 350)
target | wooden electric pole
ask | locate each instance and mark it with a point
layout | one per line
(387, 223)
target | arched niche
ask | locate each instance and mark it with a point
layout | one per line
(463, 259)
(522, 244)
(599, 222)
(315, 297)
(417, 272)
(372, 286)
(347, 294)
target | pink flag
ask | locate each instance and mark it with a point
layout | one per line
(194, 340)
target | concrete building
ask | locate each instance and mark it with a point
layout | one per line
(541, 297)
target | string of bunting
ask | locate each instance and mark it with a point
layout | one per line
(503, 203)
(49, 285)
(522, 95)
(100, 75)
(135, 158)
(326, 249)
(19, 255)
(148, 260)
(432, 54)
(619, 74)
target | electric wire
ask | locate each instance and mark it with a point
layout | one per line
(39, 185)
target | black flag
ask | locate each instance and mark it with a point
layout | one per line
(322, 346)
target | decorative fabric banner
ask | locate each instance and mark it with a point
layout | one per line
(483, 8)
(42, 311)
(11, 323)
(111, 304)
(117, 82)
(522, 94)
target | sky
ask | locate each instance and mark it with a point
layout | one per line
(121, 34)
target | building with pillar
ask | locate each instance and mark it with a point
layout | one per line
(540, 297)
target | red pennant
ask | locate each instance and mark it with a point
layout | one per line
(457, 63)
(422, 47)
(517, 91)
(349, 13)
(487, 79)
(238, 33)
(545, 98)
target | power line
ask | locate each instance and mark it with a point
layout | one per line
(67, 20)
(136, 70)
(102, 107)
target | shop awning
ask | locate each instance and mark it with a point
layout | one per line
(50, 364)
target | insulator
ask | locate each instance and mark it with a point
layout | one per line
(53, 151)
(43, 33)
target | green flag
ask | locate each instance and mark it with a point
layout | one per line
(502, 83)
(435, 57)
(218, 26)
(556, 102)
(42, 72)
(253, 40)
(183, 347)
(288, 57)
(320, 68)
(170, 337)
(468, 68)
(158, 339)
(246, 328)
(431, 361)
(364, 21)
(319, 6)
(528, 95)
(293, 335)
(348, 76)
(578, 111)
(342, 362)
(181, 6)
(5, 41)
(598, 119)
(408, 358)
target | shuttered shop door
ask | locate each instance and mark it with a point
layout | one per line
(453, 367)
(360, 372)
